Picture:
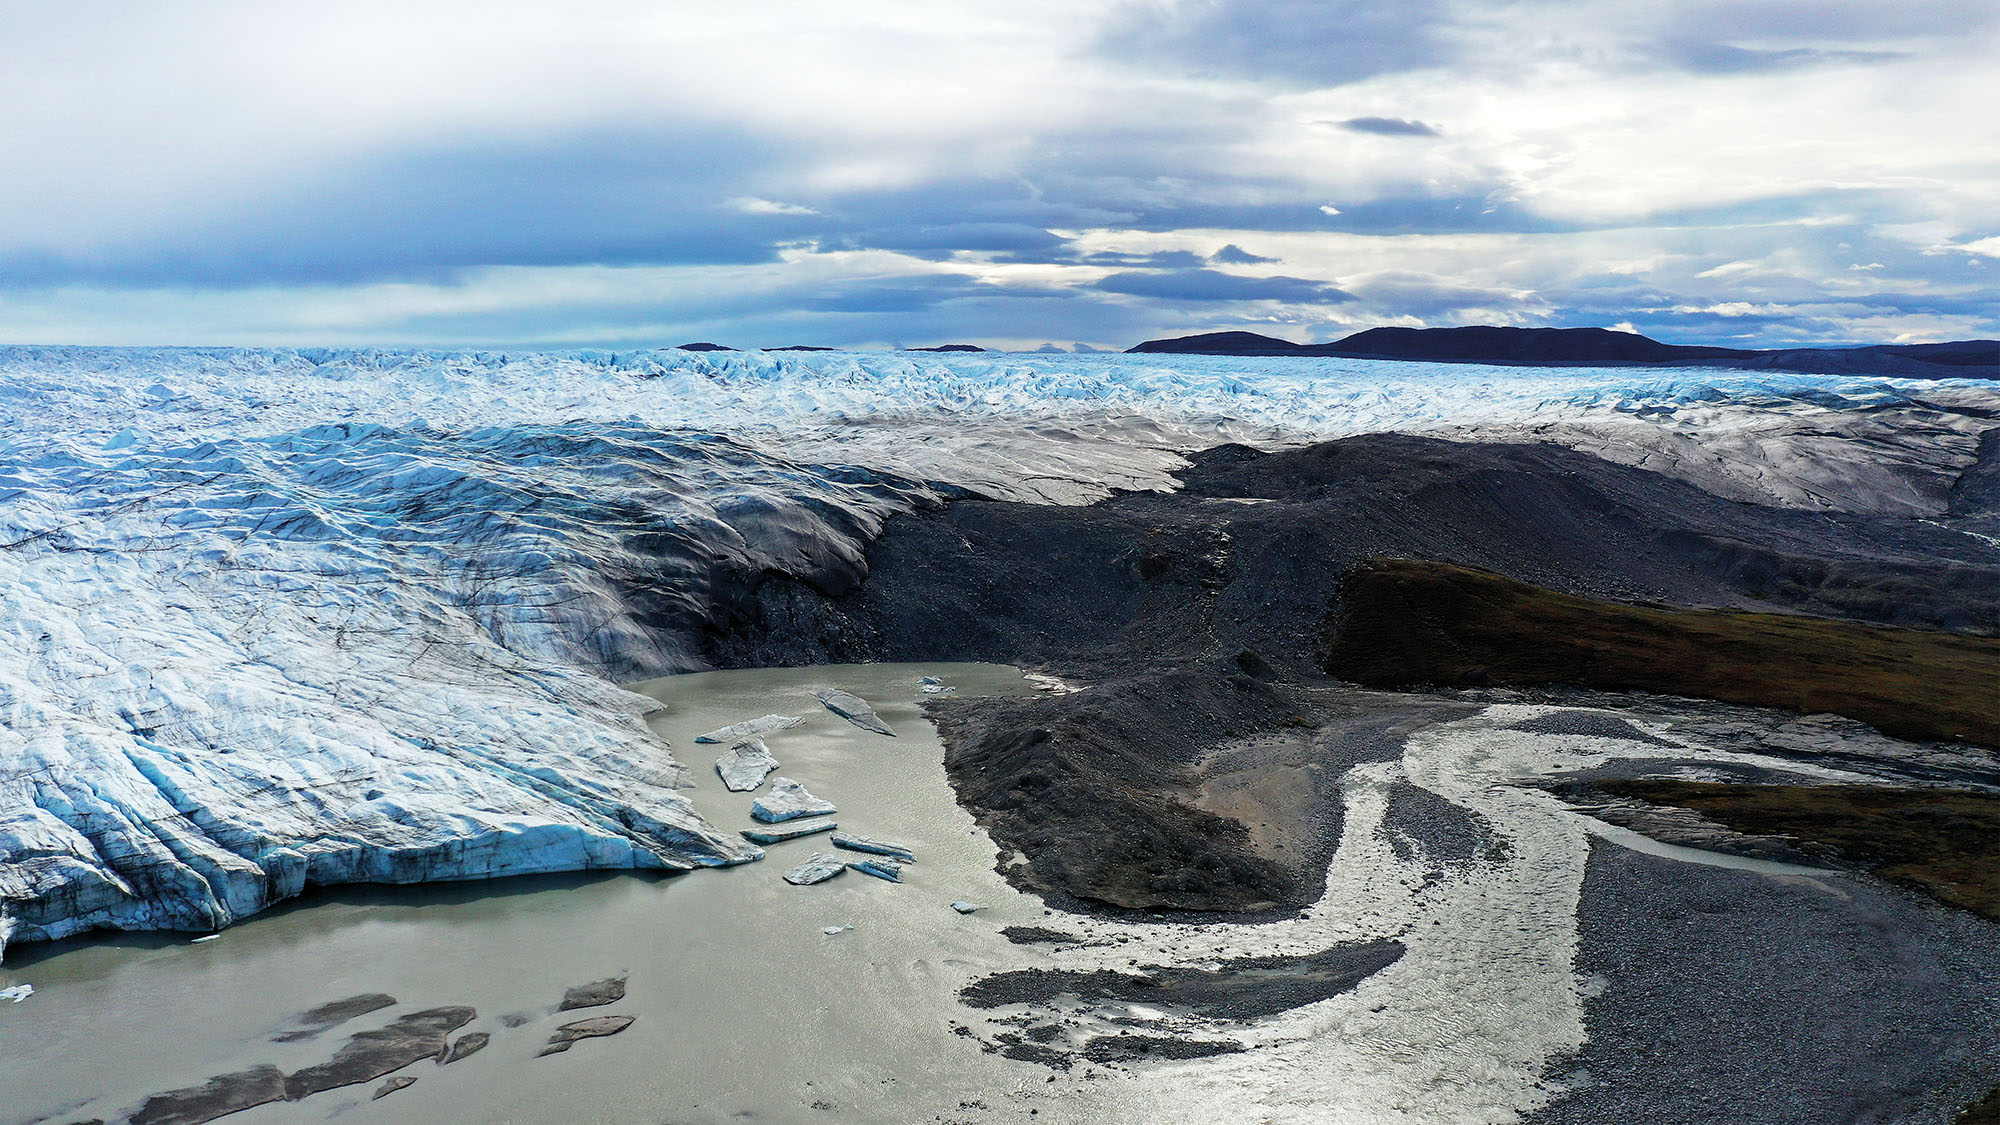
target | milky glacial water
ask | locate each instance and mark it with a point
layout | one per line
(744, 1006)
(747, 1010)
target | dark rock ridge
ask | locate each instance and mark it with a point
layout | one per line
(1199, 624)
(703, 346)
(366, 1056)
(569, 1034)
(610, 990)
(949, 348)
(1246, 988)
(1599, 346)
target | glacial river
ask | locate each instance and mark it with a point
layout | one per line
(746, 1008)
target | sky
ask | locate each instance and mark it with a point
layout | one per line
(1084, 173)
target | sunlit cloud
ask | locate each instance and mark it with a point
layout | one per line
(513, 173)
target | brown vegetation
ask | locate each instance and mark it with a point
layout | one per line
(1408, 621)
(1943, 842)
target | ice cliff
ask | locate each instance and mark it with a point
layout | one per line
(281, 618)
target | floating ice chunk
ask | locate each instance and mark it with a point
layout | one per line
(880, 866)
(745, 765)
(817, 868)
(17, 993)
(832, 930)
(965, 907)
(203, 938)
(875, 847)
(788, 800)
(779, 834)
(750, 728)
(854, 709)
(931, 685)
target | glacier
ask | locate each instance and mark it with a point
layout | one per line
(295, 617)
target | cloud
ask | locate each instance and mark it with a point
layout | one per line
(751, 205)
(1313, 43)
(1722, 58)
(1234, 255)
(1211, 285)
(492, 174)
(1388, 126)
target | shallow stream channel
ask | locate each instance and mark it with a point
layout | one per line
(1436, 981)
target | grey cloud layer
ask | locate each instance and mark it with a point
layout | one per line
(1196, 165)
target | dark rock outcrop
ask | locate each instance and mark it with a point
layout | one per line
(610, 990)
(595, 1027)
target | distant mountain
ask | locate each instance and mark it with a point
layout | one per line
(1227, 343)
(802, 348)
(1484, 344)
(704, 346)
(949, 348)
(1594, 346)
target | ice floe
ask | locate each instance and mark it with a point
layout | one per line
(874, 847)
(750, 728)
(788, 800)
(880, 866)
(854, 709)
(818, 868)
(745, 766)
(790, 830)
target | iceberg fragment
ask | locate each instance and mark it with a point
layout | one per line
(875, 847)
(792, 830)
(818, 868)
(852, 708)
(788, 800)
(745, 765)
(881, 866)
(965, 907)
(749, 728)
(17, 992)
(931, 685)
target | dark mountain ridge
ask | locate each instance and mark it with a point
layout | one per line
(1978, 359)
